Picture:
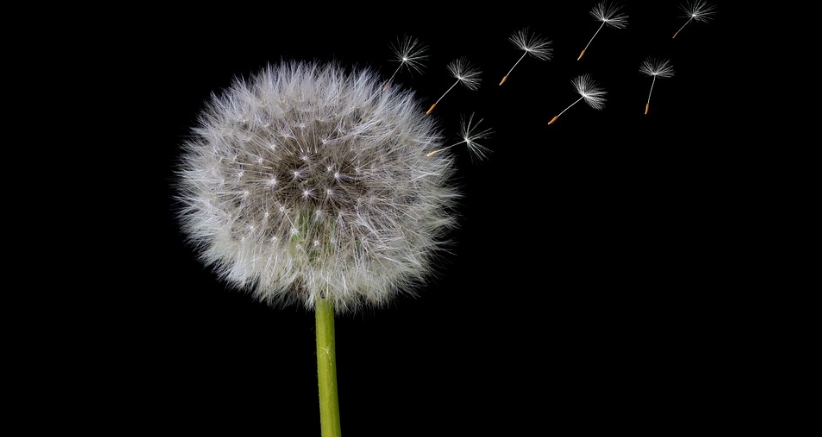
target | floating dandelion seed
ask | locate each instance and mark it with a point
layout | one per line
(589, 91)
(470, 134)
(410, 53)
(607, 14)
(531, 45)
(697, 10)
(655, 68)
(464, 72)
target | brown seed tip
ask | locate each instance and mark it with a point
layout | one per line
(553, 120)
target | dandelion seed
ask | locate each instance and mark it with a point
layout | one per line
(531, 45)
(410, 53)
(655, 68)
(589, 91)
(465, 73)
(470, 133)
(697, 10)
(607, 14)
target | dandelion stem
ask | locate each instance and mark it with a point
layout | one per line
(512, 68)
(683, 26)
(443, 95)
(447, 91)
(563, 111)
(327, 368)
(590, 41)
(569, 106)
(391, 79)
(434, 152)
(653, 81)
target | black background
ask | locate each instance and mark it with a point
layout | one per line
(583, 291)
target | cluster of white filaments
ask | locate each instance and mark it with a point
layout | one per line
(308, 181)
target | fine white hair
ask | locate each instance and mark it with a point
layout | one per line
(308, 180)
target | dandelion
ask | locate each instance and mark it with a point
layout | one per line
(608, 15)
(697, 10)
(306, 184)
(530, 45)
(470, 134)
(465, 73)
(410, 53)
(589, 91)
(655, 68)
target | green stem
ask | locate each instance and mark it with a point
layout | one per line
(327, 368)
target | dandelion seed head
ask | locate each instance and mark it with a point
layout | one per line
(471, 135)
(698, 10)
(536, 46)
(276, 228)
(657, 67)
(462, 70)
(410, 52)
(592, 93)
(608, 13)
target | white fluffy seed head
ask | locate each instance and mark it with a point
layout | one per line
(410, 52)
(471, 134)
(592, 93)
(532, 44)
(308, 181)
(698, 10)
(608, 13)
(656, 67)
(465, 72)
